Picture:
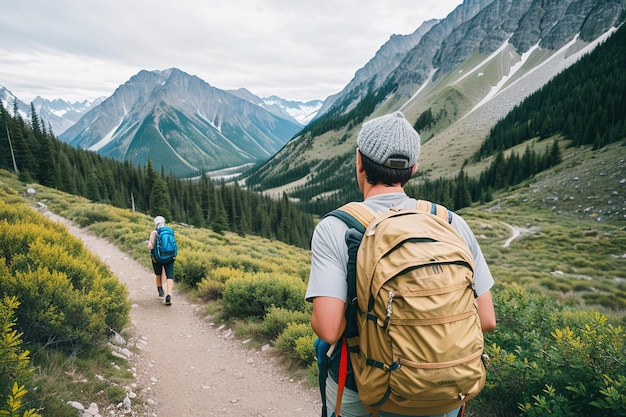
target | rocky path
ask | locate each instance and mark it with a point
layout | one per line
(517, 232)
(185, 366)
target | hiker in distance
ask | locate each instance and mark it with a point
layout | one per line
(163, 251)
(386, 158)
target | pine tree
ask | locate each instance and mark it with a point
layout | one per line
(160, 199)
(462, 196)
(219, 220)
(555, 154)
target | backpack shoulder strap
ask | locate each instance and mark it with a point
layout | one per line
(358, 216)
(355, 215)
(435, 209)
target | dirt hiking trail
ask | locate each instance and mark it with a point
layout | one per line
(185, 365)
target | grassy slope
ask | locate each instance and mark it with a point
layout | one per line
(572, 218)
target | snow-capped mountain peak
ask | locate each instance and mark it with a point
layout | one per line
(298, 111)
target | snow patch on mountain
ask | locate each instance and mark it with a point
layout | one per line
(512, 71)
(557, 62)
(106, 139)
(302, 112)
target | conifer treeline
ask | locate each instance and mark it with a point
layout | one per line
(461, 191)
(503, 172)
(40, 157)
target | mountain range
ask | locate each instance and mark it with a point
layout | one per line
(58, 114)
(181, 123)
(178, 121)
(467, 70)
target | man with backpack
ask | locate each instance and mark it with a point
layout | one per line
(163, 251)
(386, 158)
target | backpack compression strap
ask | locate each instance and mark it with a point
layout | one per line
(357, 217)
(323, 362)
(343, 374)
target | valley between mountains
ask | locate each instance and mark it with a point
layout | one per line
(185, 365)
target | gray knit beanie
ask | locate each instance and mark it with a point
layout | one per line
(390, 141)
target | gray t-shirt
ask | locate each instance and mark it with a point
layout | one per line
(329, 252)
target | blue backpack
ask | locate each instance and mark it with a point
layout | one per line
(166, 249)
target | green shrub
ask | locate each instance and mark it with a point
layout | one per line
(69, 298)
(277, 319)
(212, 286)
(53, 313)
(613, 398)
(96, 213)
(305, 350)
(550, 360)
(209, 289)
(190, 270)
(613, 301)
(224, 273)
(15, 369)
(252, 295)
(296, 343)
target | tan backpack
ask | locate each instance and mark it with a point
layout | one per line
(413, 333)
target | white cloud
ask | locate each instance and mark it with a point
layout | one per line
(77, 49)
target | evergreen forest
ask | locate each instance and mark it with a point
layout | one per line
(28, 148)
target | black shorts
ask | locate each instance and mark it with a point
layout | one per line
(158, 268)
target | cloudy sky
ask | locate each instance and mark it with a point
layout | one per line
(298, 50)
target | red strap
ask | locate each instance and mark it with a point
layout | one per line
(343, 373)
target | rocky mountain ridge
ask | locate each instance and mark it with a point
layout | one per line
(457, 67)
(469, 70)
(181, 123)
(58, 114)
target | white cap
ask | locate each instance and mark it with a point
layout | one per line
(159, 221)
